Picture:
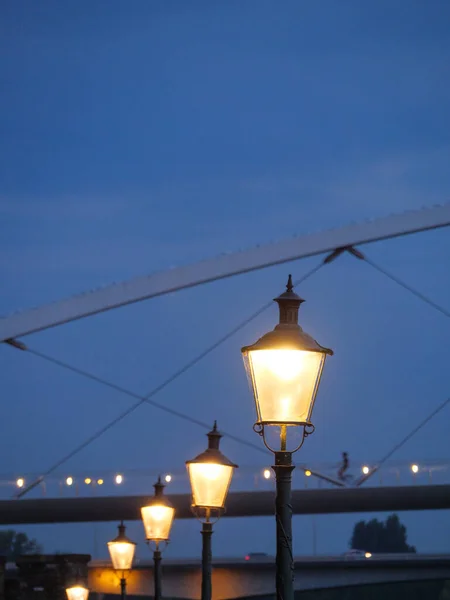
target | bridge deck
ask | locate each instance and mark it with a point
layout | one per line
(239, 504)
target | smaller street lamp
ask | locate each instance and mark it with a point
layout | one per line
(157, 518)
(77, 592)
(210, 475)
(121, 550)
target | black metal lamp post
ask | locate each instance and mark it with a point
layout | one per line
(157, 517)
(210, 475)
(77, 592)
(284, 368)
(121, 550)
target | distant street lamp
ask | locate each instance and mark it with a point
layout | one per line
(284, 368)
(121, 550)
(77, 592)
(157, 517)
(210, 475)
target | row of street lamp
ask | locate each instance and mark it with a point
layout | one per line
(284, 369)
(210, 475)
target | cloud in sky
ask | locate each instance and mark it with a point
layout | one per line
(63, 208)
(250, 213)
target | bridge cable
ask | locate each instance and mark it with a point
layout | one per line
(407, 287)
(360, 256)
(403, 441)
(148, 397)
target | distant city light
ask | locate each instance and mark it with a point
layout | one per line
(365, 470)
(247, 557)
(69, 480)
(88, 480)
(308, 473)
(119, 479)
(368, 555)
(168, 478)
(266, 474)
(415, 468)
(100, 481)
(20, 482)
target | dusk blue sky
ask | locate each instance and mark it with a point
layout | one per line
(136, 136)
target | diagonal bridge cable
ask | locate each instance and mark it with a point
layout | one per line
(360, 256)
(148, 397)
(403, 441)
(407, 287)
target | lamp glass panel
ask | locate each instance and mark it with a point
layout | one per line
(77, 592)
(284, 383)
(157, 519)
(209, 483)
(122, 554)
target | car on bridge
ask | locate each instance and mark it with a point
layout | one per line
(255, 556)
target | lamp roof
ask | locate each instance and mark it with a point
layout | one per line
(288, 334)
(212, 454)
(159, 498)
(121, 537)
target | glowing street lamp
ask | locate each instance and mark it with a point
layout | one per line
(210, 475)
(284, 368)
(122, 549)
(157, 518)
(77, 592)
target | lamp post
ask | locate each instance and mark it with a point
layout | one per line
(210, 475)
(284, 368)
(157, 517)
(77, 592)
(121, 550)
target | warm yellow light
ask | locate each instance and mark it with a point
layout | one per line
(20, 482)
(157, 519)
(308, 473)
(122, 554)
(266, 474)
(415, 468)
(77, 593)
(99, 481)
(69, 480)
(284, 364)
(119, 479)
(88, 480)
(285, 383)
(209, 483)
(365, 470)
(168, 478)
(368, 555)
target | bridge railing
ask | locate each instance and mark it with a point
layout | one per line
(136, 482)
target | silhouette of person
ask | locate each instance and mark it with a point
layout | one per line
(344, 466)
